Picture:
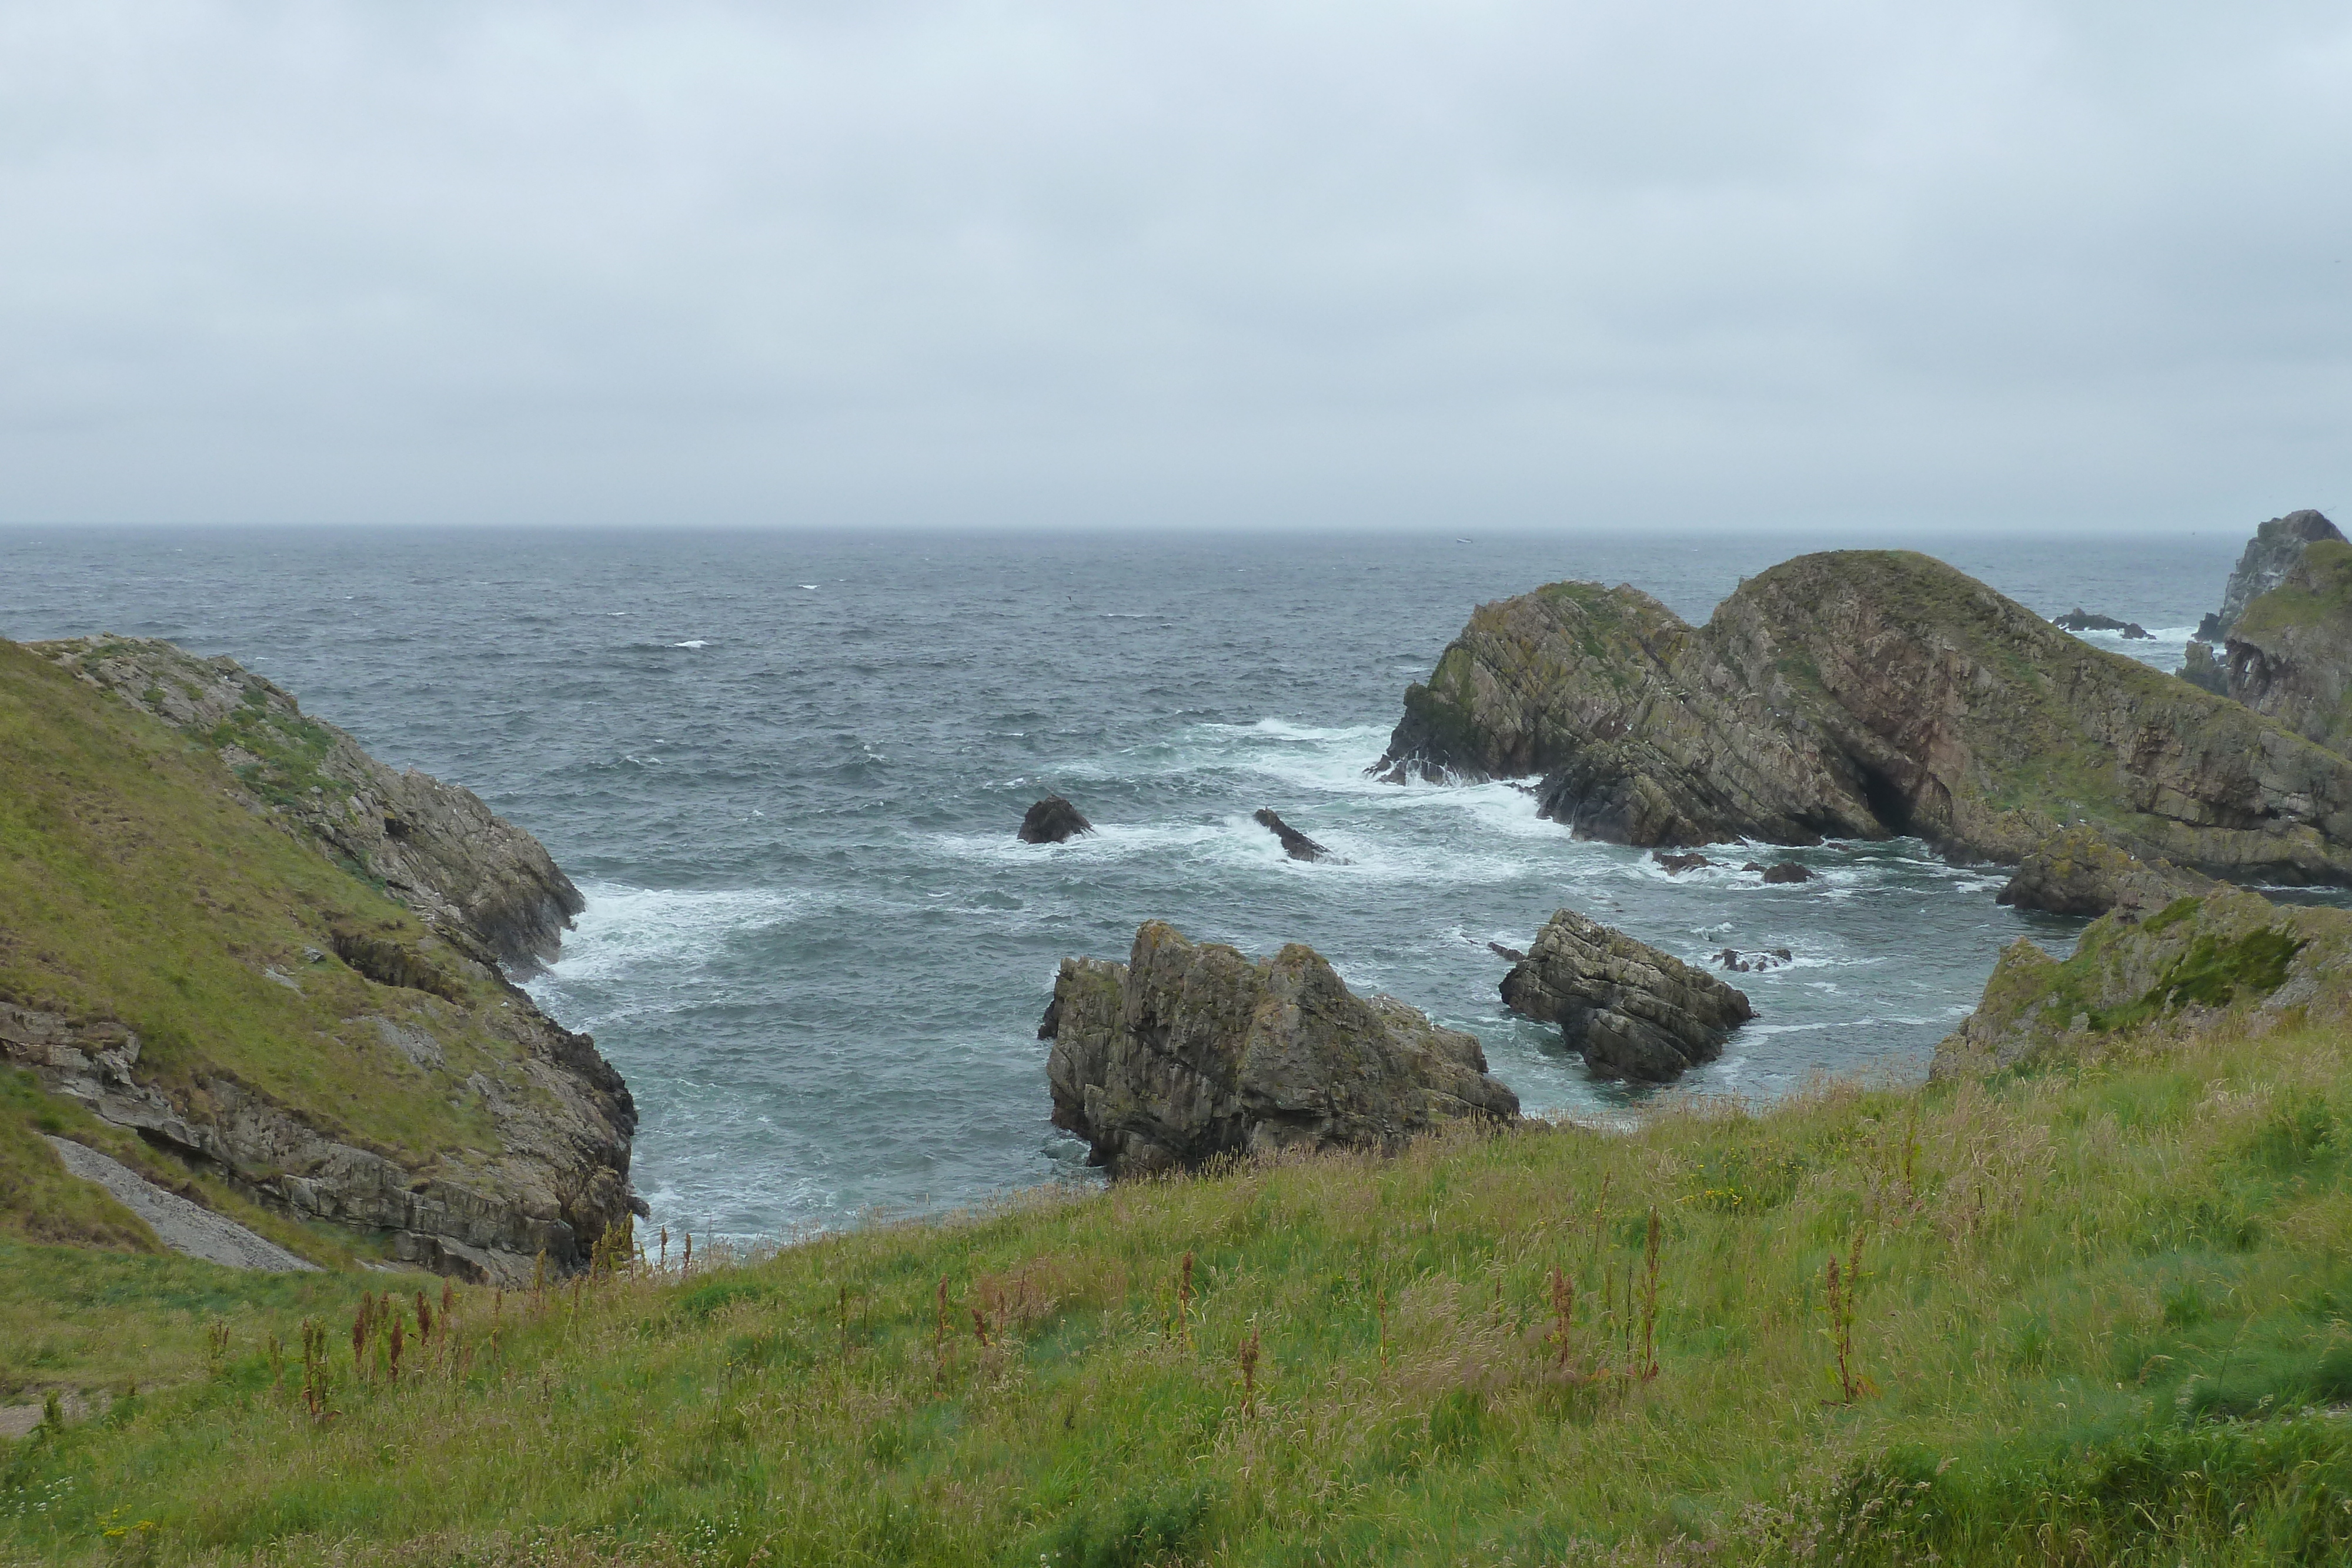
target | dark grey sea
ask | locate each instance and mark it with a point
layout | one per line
(786, 770)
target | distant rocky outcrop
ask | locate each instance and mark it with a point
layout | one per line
(2276, 546)
(1295, 844)
(2083, 872)
(2289, 654)
(2228, 959)
(1862, 695)
(2081, 620)
(1629, 1009)
(1053, 820)
(434, 846)
(1189, 1051)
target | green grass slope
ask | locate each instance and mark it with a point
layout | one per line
(2091, 1314)
(139, 885)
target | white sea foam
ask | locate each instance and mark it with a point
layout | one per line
(628, 931)
(691, 642)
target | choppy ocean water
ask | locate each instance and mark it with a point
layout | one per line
(786, 770)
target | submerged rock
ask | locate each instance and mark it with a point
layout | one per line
(1787, 872)
(2081, 620)
(1862, 695)
(1295, 844)
(1189, 1050)
(1677, 865)
(2083, 872)
(2228, 959)
(1631, 1011)
(1053, 820)
(2273, 550)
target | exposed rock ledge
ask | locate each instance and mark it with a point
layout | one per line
(1865, 694)
(1629, 1009)
(434, 846)
(1189, 1051)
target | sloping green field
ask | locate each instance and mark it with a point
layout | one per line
(2097, 1314)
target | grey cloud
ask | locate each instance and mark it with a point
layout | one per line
(1378, 264)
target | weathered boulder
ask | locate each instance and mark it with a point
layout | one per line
(1631, 1011)
(2081, 620)
(2276, 546)
(2289, 655)
(1863, 694)
(2083, 872)
(1053, 820)
(1189, 1051)
(434, 846)
(1295, 844)
(2229, 959)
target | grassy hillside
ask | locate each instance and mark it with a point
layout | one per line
(138, 887)
(2089, 1314)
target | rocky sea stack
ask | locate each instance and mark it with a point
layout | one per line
(2276, 546)
(1629, 1009)
(1189, 1051)
(1865, 694)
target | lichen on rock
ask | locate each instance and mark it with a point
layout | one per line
(1189, 1051)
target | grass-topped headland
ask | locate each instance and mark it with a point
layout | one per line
(2085, 1312)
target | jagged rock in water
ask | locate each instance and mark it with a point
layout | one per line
(1732, 958)
(1787, 872)
(2289, 655)
(1677, 865)
(2083, 872)
(2081, 620)
(2201, 670)
(434, 846)
(1511, 954)
(1863, 694)
(1189, 1050)
(2276, 546)
(1295, 844)
(2229, 959)
(1053, 820)
(1631, 1011)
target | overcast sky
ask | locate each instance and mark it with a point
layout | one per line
(1453, 264)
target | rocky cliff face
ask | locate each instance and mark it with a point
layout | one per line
(2276, 546)
(2229, 959)
(2289, 652)
(1189, 1051)
(1865, 694)
(433, 845)
(1629, 1009)
(192, 943)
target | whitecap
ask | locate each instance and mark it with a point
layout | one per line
(691, 642)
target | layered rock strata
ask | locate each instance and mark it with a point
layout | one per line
(2228, 959)
(1189, 1051)
(2276, 546)
(1863, 695)
(1629, 1009)
(434, 846)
